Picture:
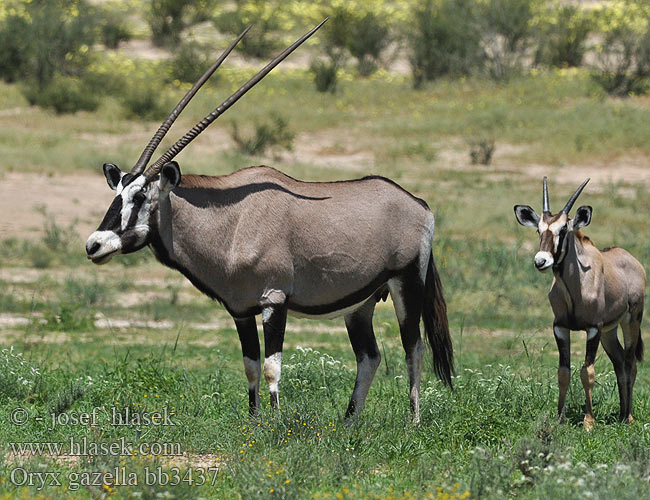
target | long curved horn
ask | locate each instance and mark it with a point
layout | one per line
(546, 206)
(203, 124)
(162, 130)
(574, 197)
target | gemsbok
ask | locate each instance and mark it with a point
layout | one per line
(261, 242)
(593, 290)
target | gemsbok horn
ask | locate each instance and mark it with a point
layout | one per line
(593, 290)
(261, 242)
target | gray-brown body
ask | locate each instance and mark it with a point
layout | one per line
(258, 236)
(594, 291)
(604, 286)
(262, 242)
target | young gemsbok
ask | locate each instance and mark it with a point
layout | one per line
(261, 242)
(593, 290)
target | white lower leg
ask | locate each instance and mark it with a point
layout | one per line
(414, 366)
(272, 371)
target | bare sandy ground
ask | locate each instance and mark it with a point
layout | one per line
(80, 198)
(83, 199)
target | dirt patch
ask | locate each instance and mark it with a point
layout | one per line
(624, 170)
(80, 199)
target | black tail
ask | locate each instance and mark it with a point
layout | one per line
(434, 315)
(639, 347)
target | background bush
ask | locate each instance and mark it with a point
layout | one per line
(168, 18)
(190, 62)
(444, 39)
(623, 62)
(274, 135)
(264, 16)
(562, 36)
(361, 30)
(63, 94)
(507, 29)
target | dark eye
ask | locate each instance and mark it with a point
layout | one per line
(139, 197)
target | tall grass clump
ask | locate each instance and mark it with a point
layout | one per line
(18, 377)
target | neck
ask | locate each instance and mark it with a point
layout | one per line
(575, 260)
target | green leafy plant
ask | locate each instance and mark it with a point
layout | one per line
(562, 36)
(361, 32)
(168, 18)
(481, 151)
(145, 100)
(506, 32)
(113, 28)
(266, 19)
(63, 94)
(274, 135)
(444, 38)
(45, 38)
(325, 75)
(190, 62)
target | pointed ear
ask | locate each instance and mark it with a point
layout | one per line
(170, 176)
(526, 216)
(582, 217)
(113, 175)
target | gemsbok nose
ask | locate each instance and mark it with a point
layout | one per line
(92, 248)
(543, 261)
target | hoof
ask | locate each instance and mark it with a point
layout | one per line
(588, 423)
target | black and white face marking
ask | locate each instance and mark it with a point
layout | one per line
(552, 230)
(125, 227)
(552, 237)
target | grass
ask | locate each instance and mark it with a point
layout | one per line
(134, 334)
(560, 117)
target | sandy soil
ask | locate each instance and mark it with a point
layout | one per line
(78, 198)
(83, 199)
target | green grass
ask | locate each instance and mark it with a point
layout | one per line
(495, 436)
(559, 116)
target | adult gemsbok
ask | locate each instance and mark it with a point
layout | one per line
(593, 290)
(259, 241)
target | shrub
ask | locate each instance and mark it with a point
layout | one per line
(168, 18)
(113, 28)
(51, 37)
(325, 74)
(481, 151)
(444, 38)
(265, 17)
(275, 135)
(190, 62)
(63, 94)
(14, 41)
(562, 36)
(506, 33)
(363, 33)
(623, 66)
(145, 100)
